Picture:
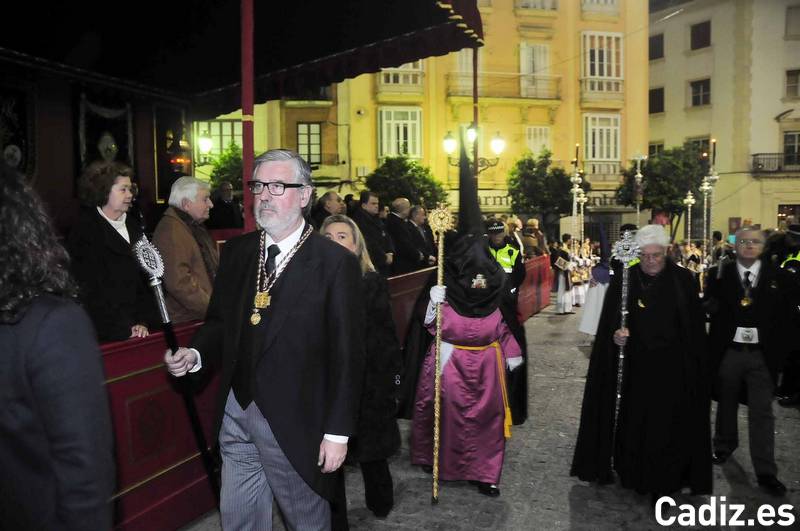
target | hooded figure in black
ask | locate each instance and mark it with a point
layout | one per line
(478, 347)
(663, 436)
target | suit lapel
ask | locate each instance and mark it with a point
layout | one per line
(248, 289)
(287, 292)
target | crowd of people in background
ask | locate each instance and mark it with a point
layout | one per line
(749, 287)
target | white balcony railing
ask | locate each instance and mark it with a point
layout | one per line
(602, 170)
(602, 88)
(400, 80)
(547, 5)
(609, 7)
(503, 85)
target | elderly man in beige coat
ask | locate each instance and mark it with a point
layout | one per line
(190, 255)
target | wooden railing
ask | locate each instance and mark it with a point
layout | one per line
(161, 482)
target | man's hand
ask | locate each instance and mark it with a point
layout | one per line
(179, 363)
(431, 260)
(331, 455)
(621, 336)
(139, 330)
(389, 258)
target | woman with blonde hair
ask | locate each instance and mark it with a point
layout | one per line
(377, 435)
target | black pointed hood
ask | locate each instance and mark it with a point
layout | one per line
(473, 278)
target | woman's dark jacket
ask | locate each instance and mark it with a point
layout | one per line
(377, 436)
(113, 287)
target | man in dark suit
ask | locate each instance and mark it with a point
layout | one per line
(227, 211)
(748, 344)
(407, 258)
(379, 243)
(421, 235)
(281, 324)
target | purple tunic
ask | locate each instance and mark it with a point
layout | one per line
(472, 443)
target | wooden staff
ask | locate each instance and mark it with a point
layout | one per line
(440, 221)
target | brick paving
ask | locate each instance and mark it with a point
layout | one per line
(536, 490)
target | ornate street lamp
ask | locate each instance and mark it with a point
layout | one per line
(689, 202)
(497, 145)
(582, 200)
(638, 192)
(204, 145)
(576, 191)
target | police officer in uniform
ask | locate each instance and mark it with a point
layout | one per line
(507, 253)
(748, 348)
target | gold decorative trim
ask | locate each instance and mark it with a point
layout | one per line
(154, 476)
(134, 373)
(247, 117)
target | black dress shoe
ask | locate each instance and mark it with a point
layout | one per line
(488, 489)
(719, 457)
(772, 485)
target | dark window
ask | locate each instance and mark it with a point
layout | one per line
(701, 144)
(309, 142)
(791, 148)
(655, 149)
(701, 35)
(793, 83)
(656, 100)
(656, 49)
(701, 92)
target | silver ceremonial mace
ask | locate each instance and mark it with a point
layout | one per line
(151, 262)
(625, 250)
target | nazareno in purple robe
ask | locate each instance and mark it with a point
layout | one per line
(472, 441)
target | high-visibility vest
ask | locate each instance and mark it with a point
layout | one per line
(791, 258)
(505, 256)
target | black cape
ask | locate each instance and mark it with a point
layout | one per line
(663, 437)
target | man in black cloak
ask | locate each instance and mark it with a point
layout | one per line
(663, 437)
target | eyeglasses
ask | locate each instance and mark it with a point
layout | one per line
(275, 188)
(749, 241)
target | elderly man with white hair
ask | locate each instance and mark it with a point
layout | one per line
(190, 255)
(663, 434)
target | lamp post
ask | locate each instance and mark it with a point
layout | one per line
(576, 190)
(638, 187)
(582, 199)
(497, 145)
(689, 202)
(705, 188)
(204, 145)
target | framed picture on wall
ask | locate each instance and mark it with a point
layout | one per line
(17, 127)
(105, 129)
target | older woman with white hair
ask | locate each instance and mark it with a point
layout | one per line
(190, 254)
(662, 438)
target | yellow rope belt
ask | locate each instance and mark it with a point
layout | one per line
(501, 373)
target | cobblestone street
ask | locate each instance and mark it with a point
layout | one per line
(536, 490)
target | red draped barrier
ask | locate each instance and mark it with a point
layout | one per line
(534, 294)
(161, 483)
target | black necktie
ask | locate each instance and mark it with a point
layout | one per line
(272, 251)
(747, 282)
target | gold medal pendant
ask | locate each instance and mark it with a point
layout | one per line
(261, 300)
(255, 318)
(745, 302)
(640, 303)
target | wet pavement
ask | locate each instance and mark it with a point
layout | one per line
(536, 490)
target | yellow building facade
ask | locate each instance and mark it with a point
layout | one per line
(552, 74)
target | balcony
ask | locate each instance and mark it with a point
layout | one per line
(544, 5)
(776, 163)
(602, 174)
(502, 85)
(600, 89)
(600, 7)
(405, 80)
(311, 94)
